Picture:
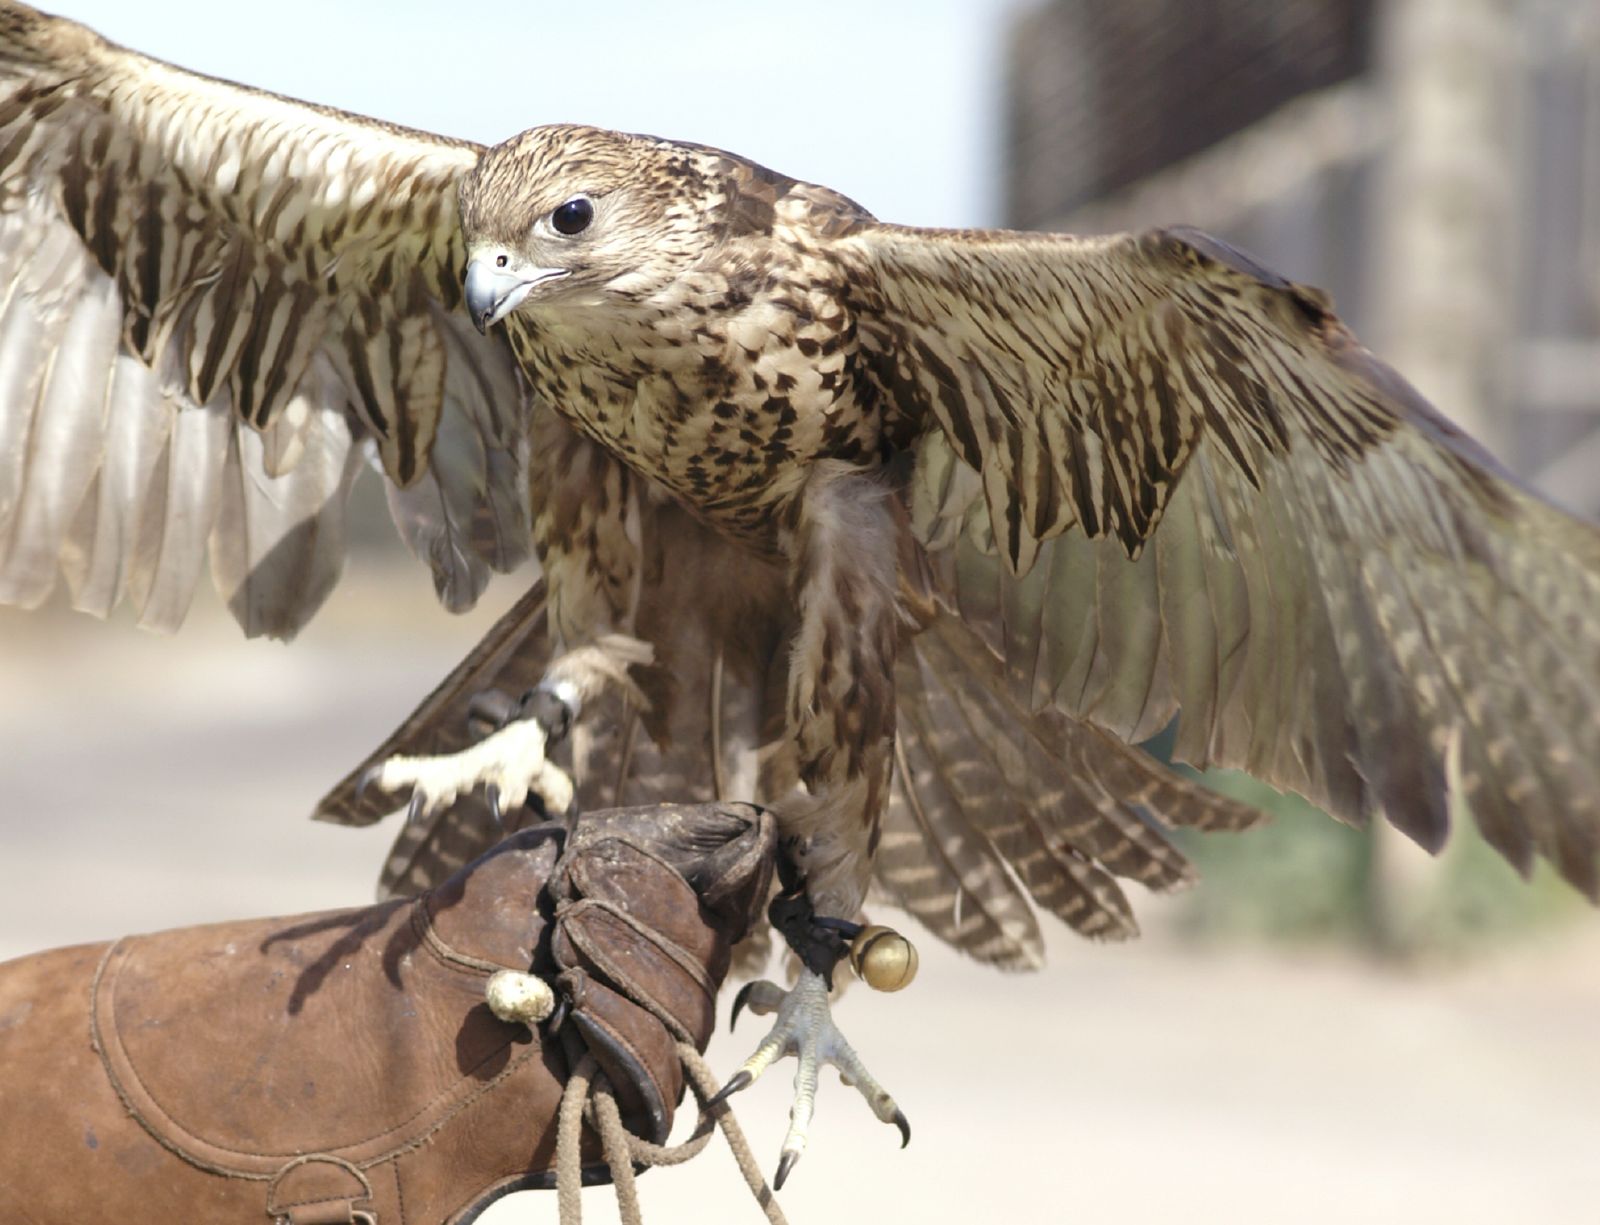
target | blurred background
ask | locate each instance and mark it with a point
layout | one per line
(1333, 1027)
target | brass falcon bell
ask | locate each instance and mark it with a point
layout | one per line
(883, 958)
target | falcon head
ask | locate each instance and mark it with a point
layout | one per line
(567, 216)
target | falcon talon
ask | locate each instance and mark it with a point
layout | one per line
(509, 765)
(786, 1164)
(904, 1124)
(368, 779)
(762, 997)
(739, 1002)
(804, 1028)
(739, 1080)
(554, 706)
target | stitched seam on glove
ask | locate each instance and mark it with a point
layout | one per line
(446, 954)
(685, 960)
(625, 983)
(183, 1141)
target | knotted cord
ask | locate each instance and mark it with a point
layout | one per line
(587, 1088)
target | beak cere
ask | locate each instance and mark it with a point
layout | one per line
(493, 292)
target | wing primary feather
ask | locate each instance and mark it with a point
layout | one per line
(242, 246)
(1271, 533)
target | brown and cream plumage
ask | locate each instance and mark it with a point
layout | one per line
(946, 517)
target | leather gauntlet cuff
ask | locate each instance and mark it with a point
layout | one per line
(332, 1067)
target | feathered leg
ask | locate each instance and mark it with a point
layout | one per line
(843, 551)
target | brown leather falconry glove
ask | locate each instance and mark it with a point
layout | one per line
(344, 1066)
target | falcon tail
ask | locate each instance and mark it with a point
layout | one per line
(996, 804)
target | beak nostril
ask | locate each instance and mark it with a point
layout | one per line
(492, 289)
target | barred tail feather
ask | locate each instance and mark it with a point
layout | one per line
(993, 799)
(932, 861)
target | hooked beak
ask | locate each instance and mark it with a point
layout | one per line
(493, 292)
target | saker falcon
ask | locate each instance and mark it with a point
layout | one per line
(922, 526)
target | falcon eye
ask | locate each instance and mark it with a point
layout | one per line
(574, 216)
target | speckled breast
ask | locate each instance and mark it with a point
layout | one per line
(727, 417)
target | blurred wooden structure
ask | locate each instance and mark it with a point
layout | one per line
(1433, 163)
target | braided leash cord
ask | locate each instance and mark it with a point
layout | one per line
(623, 1149)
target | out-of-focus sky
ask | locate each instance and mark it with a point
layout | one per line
(893, 103)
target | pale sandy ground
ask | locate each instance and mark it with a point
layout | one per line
(149, 782)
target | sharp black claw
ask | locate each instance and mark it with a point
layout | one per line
(414, 809)
(739, 1001)
(786, 1165)
(492, 795)
(545, 707)
(741, 1080)
(904, 1125)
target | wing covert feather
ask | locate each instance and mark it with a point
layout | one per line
(1158, 478)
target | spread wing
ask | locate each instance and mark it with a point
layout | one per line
(1159, 479)
(215, 304)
